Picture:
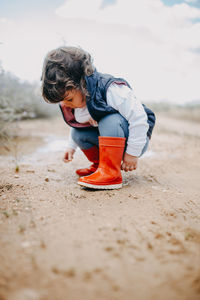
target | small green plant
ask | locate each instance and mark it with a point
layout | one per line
(6, 214)
(22, 228)
(15, 213)
(19, 100)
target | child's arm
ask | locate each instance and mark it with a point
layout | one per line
(123, 99)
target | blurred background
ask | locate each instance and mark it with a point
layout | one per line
(153, 44)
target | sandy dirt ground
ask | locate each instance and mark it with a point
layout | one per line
(59, 241)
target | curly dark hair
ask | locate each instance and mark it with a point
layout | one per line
(64, 69)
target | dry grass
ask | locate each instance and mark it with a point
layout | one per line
(20, 100)
(188, 111)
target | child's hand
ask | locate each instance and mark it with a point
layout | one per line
(93, 122)
(129, 162)
(68, 155)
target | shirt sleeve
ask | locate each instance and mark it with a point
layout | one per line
(122, 98)
(71, 144)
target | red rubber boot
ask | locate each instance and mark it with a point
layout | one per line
(108, 175)
(92, 155)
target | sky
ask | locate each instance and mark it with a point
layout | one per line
(153, 44)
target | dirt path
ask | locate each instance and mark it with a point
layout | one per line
(60, 242)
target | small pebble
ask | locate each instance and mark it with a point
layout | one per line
(25, 244)
(30, 171)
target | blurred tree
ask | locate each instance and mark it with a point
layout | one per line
(20, 100)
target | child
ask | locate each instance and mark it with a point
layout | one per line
(107, 122)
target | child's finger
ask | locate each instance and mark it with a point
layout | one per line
(67, 160)
(123, 167)
(66, 157)
(127, 168)
(92, 122)
(70, 157)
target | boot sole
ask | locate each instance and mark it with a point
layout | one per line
(99, 187)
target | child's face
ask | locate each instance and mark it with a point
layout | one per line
(74, 99)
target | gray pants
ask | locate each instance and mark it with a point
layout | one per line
(113, 125)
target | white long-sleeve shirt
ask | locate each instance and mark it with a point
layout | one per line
(122, 98)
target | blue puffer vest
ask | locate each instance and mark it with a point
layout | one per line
(97, 85)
